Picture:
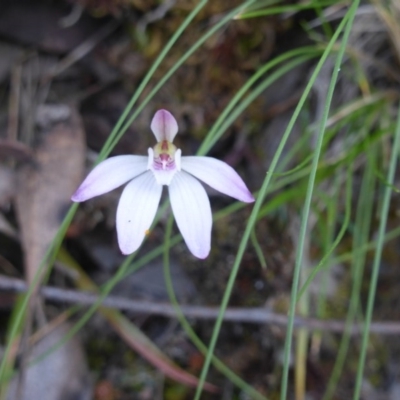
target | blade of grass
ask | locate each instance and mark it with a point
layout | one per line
(283, 9)
(116, 134)
(260, 198)
(20, 313)
(233, 115)
(339, 237)
(307, 202)
(377, 258)
(370, 246)
(172, 70)
(360, 237)
(258, 249)
(218, 128)
(236, 380)
(327, 233)
(10, 361)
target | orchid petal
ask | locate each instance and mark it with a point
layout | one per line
(219, 175)
(164, 126)
(136, 211)
(192, 212)
(109, 174)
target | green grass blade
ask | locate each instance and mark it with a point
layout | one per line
(283, 9)
(339, 237)
(165, 78)
(307, 202)
(360, 237)
(218, 128)
(260, 198)
(377, 258)
(236, 380)
(115, 134)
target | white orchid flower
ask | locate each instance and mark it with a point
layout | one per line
(164, 165)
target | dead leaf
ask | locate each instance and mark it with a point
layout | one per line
(45, 186)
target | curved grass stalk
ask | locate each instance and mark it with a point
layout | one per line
(17, 323)
(360, 237)
(377, 258)
(307, 203)
(339, 237)
(258, 249)
(219, 128)
(370, 246)
(253, 217)
(352, 151)
(229, 16)
(303, 299)
(283, 9)
(116, 134)
(233, 115)
(236, 380)
(327, 233)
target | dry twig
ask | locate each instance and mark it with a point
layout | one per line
(244, 315)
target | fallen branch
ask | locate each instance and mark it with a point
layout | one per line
(244, 315)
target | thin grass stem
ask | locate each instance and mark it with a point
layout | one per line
(307, 202)
(116, 134)
(236, 380)
(253, 217)
(360, 237)
(378, 255)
